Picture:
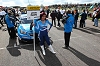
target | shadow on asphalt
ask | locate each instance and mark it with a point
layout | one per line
(89, 30)
(60, 28)
(13, 50)
(83, 30)
(30, 45)
(13, 47)
(93, 29)
(49, 59)
(84, 58)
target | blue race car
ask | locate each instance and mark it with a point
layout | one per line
(24, 32)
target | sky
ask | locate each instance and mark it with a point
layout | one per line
(44, 2)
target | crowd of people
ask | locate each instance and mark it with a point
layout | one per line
(96, 16)
(68, 17)
(57, 14)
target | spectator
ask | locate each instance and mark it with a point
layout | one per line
(83, 18)
(93, 15)
(58, 17)
(97, 16)
(68, 28)
(48, 12)
(76, 14)
(62, 12)
(53, 16)
(10, 25)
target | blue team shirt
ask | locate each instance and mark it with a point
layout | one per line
(35, 22)
(43, 26)
(8, 21)
(69, 23)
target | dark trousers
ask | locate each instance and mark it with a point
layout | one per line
(93, 19)
(58, 22)
(44, 37)
(67, 38)
(36, 39)
(53, 20)
(82, 23)
(12, 32)
(75, 24)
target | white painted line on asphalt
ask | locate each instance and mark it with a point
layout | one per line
(94, 45)
(2, 48)
(58, 40)
(14, 46)
(76, 37)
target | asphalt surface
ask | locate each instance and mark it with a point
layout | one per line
(84, 49)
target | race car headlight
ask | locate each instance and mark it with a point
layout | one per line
(22, 32)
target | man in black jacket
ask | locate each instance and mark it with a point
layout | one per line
(59, 17)
(83, 18)
(53, 16)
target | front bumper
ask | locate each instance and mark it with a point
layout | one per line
(25, 37)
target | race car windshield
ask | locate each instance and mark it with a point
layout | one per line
(25, 21)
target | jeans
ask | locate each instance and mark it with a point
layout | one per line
(75, 24)
(96, 22)
(12, 32)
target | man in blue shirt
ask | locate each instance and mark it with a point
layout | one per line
(10, 25)
(68, 28)
(36, 31)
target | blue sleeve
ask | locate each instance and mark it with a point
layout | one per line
(37, 25)
(36, 22)
(49, 24)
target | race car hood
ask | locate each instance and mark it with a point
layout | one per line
(26, 27)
